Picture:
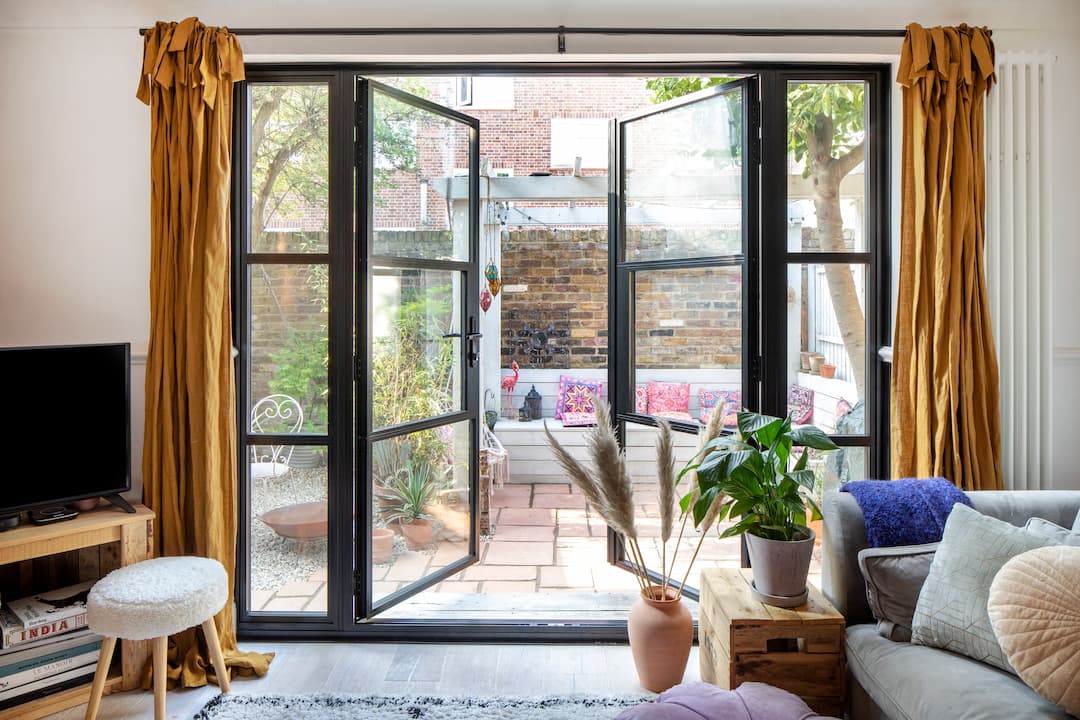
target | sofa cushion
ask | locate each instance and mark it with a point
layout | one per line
(915, 682)
(894, 576)
(1053, 531)
(1034, 608)
(951, 611)
(1076, 523)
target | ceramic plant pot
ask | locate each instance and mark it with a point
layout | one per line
(417, 533)
(780, 568)
(661, 632)
(827, 370)
(816, 361)
(382, 545)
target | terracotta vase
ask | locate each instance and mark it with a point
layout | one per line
(661, 633)
(417, 533)
(827, 370)
(382, 545)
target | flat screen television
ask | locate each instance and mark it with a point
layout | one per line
(65, 425)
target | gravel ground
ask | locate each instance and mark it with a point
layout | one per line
(276, 560)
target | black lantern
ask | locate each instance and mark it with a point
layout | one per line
(532, 401)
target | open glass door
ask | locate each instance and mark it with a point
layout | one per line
(417, 346)
(683, 306)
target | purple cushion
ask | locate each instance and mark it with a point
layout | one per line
(701, 701)
(576, 392)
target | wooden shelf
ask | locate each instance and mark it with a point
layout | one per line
(134, 533)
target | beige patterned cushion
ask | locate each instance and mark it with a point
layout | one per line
(1034, 608)
(951, 612)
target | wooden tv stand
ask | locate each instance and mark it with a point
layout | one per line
(105, 524)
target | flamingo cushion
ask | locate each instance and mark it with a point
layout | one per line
(576, 395)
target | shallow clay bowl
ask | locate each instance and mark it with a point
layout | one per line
(302, 521)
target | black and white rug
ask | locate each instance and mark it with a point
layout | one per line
(414, 707)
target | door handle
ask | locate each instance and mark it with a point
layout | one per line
(473, 338)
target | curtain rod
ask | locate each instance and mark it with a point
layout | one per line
(562, 31)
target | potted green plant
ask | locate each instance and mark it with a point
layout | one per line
(408, 497)
(766, 497)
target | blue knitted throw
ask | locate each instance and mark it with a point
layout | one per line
(911, 511)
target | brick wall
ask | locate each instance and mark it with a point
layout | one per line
(686, 318)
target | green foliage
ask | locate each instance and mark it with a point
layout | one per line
(752, 475)
(410, 492)
(302, 374)
(810, 105)
(669, 88)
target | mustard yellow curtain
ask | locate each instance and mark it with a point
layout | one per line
(945, 419)
(189, 456)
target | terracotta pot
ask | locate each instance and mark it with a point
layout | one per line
(816, 527)
(661, 633)
(827, 370)
(780, 566)
(382, 545)
(417, 533)
(303, 521)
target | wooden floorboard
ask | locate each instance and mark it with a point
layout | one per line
(549, 607)
(443, 670)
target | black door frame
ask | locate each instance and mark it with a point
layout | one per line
(339, 622)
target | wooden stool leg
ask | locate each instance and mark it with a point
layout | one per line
(210, 633)
(161, 646)
(100, 675)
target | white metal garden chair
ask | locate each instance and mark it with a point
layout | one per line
(275, 414)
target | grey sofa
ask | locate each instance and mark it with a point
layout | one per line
(901, 681)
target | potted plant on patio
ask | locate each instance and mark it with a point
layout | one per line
(766, 498)
(408, 497)
(660, 625)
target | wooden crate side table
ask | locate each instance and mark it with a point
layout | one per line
(740, 639)
(134, 532)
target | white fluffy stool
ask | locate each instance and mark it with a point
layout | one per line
(152, 600)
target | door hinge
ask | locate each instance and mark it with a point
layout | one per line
(755, 369)
(359, 153)
(358, 580)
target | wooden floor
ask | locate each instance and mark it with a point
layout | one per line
(398, 669)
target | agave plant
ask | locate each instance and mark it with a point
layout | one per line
(410, 492)
(750, 474)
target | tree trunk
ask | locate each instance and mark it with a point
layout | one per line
(827, 173)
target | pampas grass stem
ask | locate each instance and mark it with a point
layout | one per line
(706, 524)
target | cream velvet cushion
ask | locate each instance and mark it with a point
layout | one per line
(158, 597)
(1034, 608)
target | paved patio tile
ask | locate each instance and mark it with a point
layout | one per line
(458, 586)
(541, 488)
(408, 567)
(519, 553)
(511, 497)
(318, 576)
(298, 589)
(525, 532)
(448, 553)
(581, 556)
(519, 516)
(575, 530)
(566, 577)
(574, 515)
(495, 586)
(382, 589)
(559, 500)
(318, 603)
(501, 572)
(286, 604)
(260, 598)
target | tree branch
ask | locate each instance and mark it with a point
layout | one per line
(846, 163)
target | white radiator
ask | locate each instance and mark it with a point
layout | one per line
(1018, 233)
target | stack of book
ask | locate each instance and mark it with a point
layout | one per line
(45, 645)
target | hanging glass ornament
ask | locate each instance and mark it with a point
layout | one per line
(491, 272)
(485, 300)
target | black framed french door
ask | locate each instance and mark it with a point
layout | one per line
(684, 220)
(417, 351)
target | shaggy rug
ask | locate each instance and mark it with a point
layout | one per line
(414, 707)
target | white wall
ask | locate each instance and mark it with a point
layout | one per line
(74, 186)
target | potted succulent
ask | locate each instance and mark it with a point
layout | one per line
(407, 499)
(766, 497)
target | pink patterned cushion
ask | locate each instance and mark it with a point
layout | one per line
(729, 402)
(668, 397)
(577, 393)
(800, 404)
(673, 415)
(641, 399)
(577, 419)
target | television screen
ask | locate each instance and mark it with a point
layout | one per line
(65, 424)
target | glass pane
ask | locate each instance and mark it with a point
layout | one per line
(683, 181)
(415, 370)
(688, 342)
(826, 170)
(421, 188)
(287, 377)
(827, 346)
(288, 528)
(290, 196)
(420, 505)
